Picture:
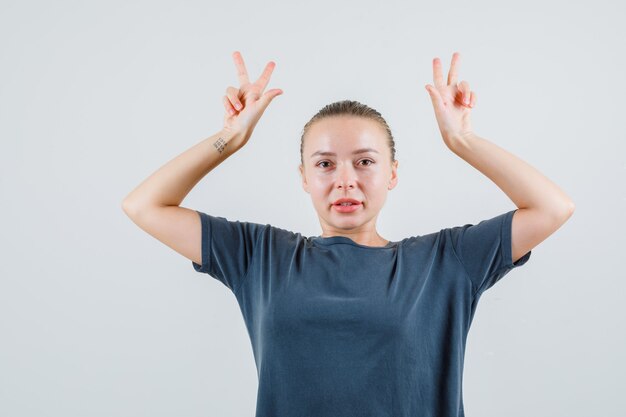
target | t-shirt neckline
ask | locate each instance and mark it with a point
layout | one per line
(343, 239)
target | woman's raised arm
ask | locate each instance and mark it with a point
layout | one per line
(154, 204)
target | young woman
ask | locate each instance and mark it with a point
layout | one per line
(349, 323)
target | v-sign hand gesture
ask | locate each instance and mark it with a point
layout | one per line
(245, 105)
(452, 102)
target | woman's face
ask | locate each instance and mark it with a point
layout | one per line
(332, 170)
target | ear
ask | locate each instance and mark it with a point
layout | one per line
(393, 181)
(305, 185)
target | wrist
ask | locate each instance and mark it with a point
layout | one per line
(464, 140)
(233, 141)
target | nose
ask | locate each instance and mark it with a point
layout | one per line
(345, 177)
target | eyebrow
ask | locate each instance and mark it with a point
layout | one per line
(358, 151)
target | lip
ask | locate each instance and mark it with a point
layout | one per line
(346, 209)
(347, 200)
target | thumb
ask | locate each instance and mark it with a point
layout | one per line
(269, 96)
(434, 94)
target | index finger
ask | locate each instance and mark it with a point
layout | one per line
(265, 77)
(437, 74)
(242, 73)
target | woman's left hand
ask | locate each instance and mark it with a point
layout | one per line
(452, 102)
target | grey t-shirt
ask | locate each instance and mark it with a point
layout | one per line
(342, 329)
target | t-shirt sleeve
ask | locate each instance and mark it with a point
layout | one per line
(227, 248)
(485, 251)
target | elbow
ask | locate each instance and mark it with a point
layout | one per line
(128, 207)
(571, 207)
(566, 212)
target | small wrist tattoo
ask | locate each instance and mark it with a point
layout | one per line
(220, 144)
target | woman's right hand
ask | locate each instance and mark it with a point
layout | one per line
(245, 105)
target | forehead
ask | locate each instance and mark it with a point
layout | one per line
(344, 134)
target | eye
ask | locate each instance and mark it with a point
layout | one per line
(362, 160)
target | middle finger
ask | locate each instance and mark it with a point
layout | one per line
(452, 74)
(242, 73)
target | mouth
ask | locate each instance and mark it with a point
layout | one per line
(346, 202)
(346, 207)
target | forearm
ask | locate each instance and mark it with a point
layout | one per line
(171, 183)
(522, 183)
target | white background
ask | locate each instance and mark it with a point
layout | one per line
(98, 318)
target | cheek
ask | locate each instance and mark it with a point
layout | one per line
(319, 183)
(374, 179)
(318, 189)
